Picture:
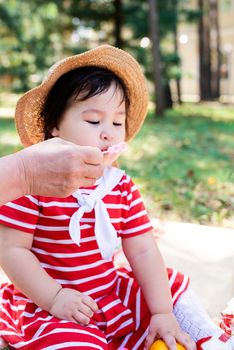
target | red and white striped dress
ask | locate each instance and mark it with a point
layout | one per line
(123, 316)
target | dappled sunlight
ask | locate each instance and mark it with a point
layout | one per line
(9, 139)
(183, 166)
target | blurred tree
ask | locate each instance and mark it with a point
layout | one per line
(154, 33)
(209, 49)
(30, 39)
(215, 49)
(35, 34)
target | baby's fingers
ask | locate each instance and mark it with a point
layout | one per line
(185, 340)
(88, 301)
(86, 310)
(79, 317)
(149, 340)
(170, 341)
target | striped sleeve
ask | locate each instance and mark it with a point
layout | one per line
(21, 214)
(136, 221)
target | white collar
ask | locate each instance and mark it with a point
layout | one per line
(104, 231)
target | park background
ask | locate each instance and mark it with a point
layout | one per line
(182, 160)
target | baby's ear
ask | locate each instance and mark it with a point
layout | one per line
(54, 132)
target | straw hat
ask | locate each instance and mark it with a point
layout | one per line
(28, 109)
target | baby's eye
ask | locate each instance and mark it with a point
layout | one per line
(117, 124)
(92, 122)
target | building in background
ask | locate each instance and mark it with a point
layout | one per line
(188, 40)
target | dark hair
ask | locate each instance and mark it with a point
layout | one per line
(89, 80)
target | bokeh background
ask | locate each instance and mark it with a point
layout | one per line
(182, 160)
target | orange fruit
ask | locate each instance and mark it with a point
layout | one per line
(160, 345)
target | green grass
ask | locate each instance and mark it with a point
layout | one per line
(182, 163)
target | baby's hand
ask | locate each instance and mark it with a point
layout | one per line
(166, 327)
(74, 306)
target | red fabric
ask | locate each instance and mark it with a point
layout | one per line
(123, 316)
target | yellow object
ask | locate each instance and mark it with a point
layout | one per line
(160, 345)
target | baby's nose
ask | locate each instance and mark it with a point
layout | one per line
(106, 136)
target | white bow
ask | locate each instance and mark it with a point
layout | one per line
(104, 231)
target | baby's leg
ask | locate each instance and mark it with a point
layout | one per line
(193, 318)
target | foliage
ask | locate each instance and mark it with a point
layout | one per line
(35, 34)
(183, 165)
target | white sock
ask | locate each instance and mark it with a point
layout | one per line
(193, 318)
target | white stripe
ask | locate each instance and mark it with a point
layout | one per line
(66, 330)
(116, 206)
(141, 340)
(69, 344)
(173, 277)
(52, 228)
(181, 289)
(118, 193)
(125, 180)
(63, 241)
(31, 314)
(16, 222)
(58, 204)
(136, 216)
(135, 202)
(86, 279)
(116, 318)
(67, 255)
(32, 199)
(74, 268)
(102, 287)
(118, 286)
(129, 197)
(125, 324)
(126, 339)
(13, 307)
(23, 209)
(56, 217)
(138, 309)
(126, 299)
(138, 228)
(53, 241)
(44, 319)
(110, 305)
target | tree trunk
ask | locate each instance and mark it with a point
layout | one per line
(118, 23)
(204, 51)
(157, 66)
(175, 39)
(215, 46)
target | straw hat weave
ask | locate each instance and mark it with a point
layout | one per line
(28, 118)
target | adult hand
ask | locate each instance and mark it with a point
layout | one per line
(57, 168)
(51, 168)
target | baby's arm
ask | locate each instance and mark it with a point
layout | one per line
(25, 272)
(148, 267)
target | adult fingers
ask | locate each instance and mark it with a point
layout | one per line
(92, 155)
(92, 171)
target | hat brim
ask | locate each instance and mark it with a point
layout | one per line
(28, 109)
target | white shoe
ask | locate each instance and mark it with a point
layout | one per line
(216, 342)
